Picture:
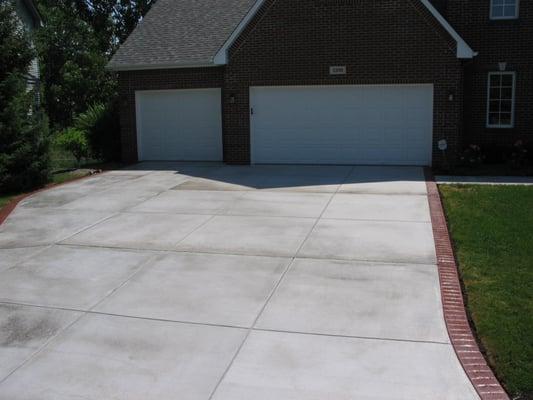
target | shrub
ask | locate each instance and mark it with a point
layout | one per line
(75, 142)
(518, 157)
(24, 159)
(471, 156)
(101, 125)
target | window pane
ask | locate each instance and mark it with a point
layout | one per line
(497, 11)
(494, 106)
(495, 93)
(494, 119)
(506, 106)
(509, 2)
(498, 2)
(507, 93)
(507, 80)
(495, 80)
(505, 119)
(509, 11)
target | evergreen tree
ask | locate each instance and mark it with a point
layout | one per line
(23, 130)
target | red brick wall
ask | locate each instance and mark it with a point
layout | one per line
(496, 41)
(293, 42)
(129, 82)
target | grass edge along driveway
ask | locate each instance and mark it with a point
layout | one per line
(492, 231)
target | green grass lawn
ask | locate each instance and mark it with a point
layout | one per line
(4, 199)
(492, 230)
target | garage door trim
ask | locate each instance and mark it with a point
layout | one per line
(406, 85)
(139, 133)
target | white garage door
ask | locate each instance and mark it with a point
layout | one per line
(342, 124)
(179, 125)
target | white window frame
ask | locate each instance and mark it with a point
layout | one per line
(500, 126)
(515, 16)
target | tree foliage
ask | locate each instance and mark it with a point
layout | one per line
(75, 44)
(23, 131)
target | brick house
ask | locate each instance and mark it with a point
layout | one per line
(325, 82)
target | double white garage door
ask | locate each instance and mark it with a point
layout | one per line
(294, 125)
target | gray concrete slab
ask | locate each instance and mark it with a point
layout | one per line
(113, 200)
(25, 330)
(69, 277)
(210, 185)
(267, 236)
(281, 177)
(33, 227)
(358, 299)
(385, 180)
(103, 357)
(378, 207)
(219, 270)
(288, 366)
(155, 181)
(404, 242)
(10, 257)
(104, 181)
(204, 288)
(140, 231)
(189, 202)
(56, 197)
(280, 204)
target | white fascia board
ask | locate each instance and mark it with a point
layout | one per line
(140, 67)
(221, 58)
(463, 49)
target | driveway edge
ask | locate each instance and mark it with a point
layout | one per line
(10, 207)
(457, 324)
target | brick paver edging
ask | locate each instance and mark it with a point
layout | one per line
(10, 207)
(461, 336)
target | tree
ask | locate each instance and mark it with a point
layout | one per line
(23, 131)
(78, 39)
(72, 65)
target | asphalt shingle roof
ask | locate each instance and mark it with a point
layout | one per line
(181, 32)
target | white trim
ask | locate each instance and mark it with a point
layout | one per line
(517, 12)
(143, 67)
(509, 126)
(252, 95)
(463, 49)
(221, 57)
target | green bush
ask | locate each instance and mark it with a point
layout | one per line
(101, 125)
(24, 159)
(75, 142)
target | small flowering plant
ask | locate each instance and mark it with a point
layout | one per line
(472, 156)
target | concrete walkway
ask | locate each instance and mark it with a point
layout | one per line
(170, 281)
(485, 180)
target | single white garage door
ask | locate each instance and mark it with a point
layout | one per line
(179, 125)
(342, 124)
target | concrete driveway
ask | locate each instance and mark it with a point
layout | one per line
(203, 281)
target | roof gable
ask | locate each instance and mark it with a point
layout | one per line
(180, 33)
(197, 33)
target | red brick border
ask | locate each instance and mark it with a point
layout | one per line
(9, 207)
(461, 336)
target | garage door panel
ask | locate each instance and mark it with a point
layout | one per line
(342, 124)
(179, 125)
